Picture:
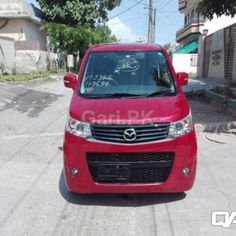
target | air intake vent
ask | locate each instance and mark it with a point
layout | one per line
(133, 168)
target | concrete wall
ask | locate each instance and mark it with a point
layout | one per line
(12, 29)
(7, 54)
(185, 63)
(234, 68)
(32, 32)
(200, 56)
(10, 7)
(217, 62)
(30, 60)
(24, 30)
(217, 69)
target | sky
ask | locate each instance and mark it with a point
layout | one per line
(133, 24)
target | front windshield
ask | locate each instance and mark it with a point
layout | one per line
(131, 73)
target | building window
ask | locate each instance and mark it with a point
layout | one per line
(186, 19)
(198, 14)
(192, 14)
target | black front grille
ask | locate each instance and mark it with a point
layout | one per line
(133, 168)
(144, 133)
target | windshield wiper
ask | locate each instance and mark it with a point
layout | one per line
(130, 95)
(113, 95)
(161, 93)
(122, 95)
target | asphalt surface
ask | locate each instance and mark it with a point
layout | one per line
(34, 199)
(199, 84)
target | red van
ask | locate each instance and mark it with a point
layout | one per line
(129, 127)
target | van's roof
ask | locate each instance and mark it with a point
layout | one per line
(125, 47)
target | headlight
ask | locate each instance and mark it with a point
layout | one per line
(78, 128)
(181, 127)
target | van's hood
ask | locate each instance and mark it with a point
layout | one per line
(129, 111)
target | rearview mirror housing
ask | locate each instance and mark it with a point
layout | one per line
(182, 78)
(70, 80)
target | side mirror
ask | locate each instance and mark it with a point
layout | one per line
(70, 80)
(182, 78)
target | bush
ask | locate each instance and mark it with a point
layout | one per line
(24, 77)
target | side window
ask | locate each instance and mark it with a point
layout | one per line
(165, 72)
(160, 70)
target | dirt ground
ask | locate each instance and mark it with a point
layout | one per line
(205, 112)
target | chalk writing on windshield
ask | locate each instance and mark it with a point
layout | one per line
(127, 64)
(95, 81)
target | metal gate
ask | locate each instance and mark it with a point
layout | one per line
(207, 55)
(229, 44)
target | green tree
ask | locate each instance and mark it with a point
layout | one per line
(71, 39)
(219, 7)
(74, 25)
(104, 34)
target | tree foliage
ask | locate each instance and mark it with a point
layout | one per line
(71, 39)
(209, 8)
(74, 25)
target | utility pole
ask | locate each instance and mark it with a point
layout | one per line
(151, 23)
(154, 25)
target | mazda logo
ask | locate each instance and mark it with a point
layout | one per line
(130, 135)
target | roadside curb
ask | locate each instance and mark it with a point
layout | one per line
(218, 127)
(221, 99)
(222, 127)
(195, 93)
(52, 77)
(224, 103)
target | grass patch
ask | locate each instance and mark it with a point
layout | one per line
(24, 77)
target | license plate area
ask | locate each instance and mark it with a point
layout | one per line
(113, 172)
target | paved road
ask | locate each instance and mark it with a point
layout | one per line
(200, 84)
(33, 197)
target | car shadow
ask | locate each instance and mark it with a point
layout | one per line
(117, 200)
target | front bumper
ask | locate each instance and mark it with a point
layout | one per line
(75, 149)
